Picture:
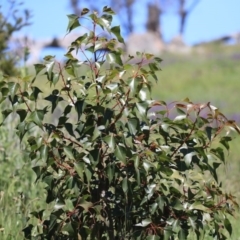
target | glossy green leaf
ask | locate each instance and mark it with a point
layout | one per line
(133, 85)
(38, 68)
(219, 153)
(70, 70)
(133, 125)
(114, 58)
(125, 185)
(105, 22)
(94, 156)
(49, 128)
(13, 88)
(72, 22)
(108, 10)
(110, 140)
(21, 129)
(79, 167)
(80, 39)
(35, 93)
(37, 117)
(182, 234)
(153, 207)
(228, 226)
(120, 153)
(161, 202)
(79, 107)
(209, 132)
(144, 93)
(110, 172)
(84, 11)
(55, 78)
(88, 173)
(142, 108)
(61, 121)
(22, 113)
(144, 223)
(198, 206)
(180, 117)
(6, 112)
(188, 158)
(154, 67)
(69, 128)
(38, 214)
(67, 110)
(192, 222)
(44, 152)
(225, 141)
(116, 32)
(68, 152)
(49, 58)
(176, 225)
(85, 205)
(168, 233)
(4, 92)
(147, 165)
(96, 134)
(27, 231)
(112, 86)
(69, 229)
(177, 204)
(49, 67)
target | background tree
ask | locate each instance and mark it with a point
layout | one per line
(11, 21)
(183, 8)
(153, 19)
(125, 7)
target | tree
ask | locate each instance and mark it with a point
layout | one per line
(184, 12)
(117, 164)
(153, 19)
(9, 24)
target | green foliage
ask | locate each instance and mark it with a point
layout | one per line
(115, 163)
(18, 191)
(10, 22)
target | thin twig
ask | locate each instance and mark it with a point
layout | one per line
(61, 74)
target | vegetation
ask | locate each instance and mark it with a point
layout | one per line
(112, 167)
(10, 23)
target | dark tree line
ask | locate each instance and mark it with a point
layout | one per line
(154, 8)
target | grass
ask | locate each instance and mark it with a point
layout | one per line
(202, 78)
(210, 74)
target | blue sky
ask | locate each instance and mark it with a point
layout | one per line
(209, 20)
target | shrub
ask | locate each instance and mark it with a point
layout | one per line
(116, 163)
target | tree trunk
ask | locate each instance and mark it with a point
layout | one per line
(153, 20)
(183, 15)
(128, 4)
